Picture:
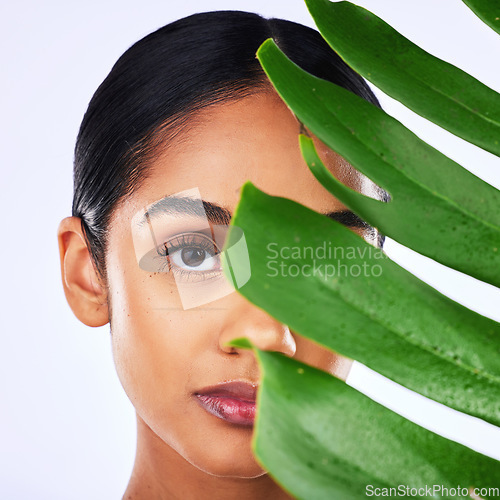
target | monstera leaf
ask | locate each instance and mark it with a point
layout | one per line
(433, 88)
(488, 11)
(318, 437)
(322, 439)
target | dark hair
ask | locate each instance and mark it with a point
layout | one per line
(160, 81)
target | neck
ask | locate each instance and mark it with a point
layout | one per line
(160, 473)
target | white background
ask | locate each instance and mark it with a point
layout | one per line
(67, 430)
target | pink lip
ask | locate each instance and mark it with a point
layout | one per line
(233, 402)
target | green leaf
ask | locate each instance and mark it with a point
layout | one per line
(321, 439)
(429, 86)
(369, 309)
(487, 10)
(437, 208)
(240, 342)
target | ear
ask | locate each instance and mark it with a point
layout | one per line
(85, 293)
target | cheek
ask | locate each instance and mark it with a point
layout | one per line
(156, 344)
(162, 355)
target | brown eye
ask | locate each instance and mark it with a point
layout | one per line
(193, 252)
(193, 257)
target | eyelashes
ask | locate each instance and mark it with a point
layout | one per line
(191, 257)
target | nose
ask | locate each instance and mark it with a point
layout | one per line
(262, 330)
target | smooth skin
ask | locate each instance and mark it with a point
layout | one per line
(163, 353)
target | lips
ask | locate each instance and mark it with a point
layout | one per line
(233, 402)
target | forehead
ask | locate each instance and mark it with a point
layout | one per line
(251, 139)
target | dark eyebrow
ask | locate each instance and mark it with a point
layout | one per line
(347, 218)
(216, 214)
(174, 205)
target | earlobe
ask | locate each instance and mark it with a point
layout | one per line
(85, 293)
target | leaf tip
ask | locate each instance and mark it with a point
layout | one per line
(248, 188)
(266, 46)
(305, 141)
(241, 342)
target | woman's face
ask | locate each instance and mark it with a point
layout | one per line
(165, 353)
